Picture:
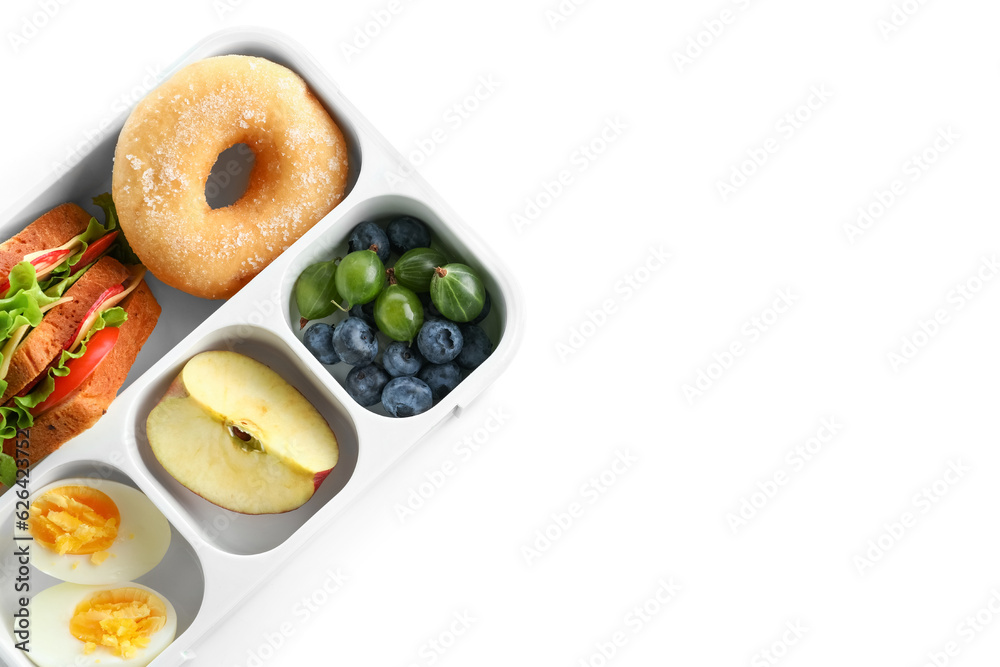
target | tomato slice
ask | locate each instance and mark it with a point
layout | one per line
(98, 347)
(95, 249)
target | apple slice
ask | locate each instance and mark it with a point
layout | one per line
(234, 432)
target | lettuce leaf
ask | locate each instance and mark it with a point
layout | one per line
(68, 272)
(25, 293)
(8, 470)
(107, 204)
(121, 251)
(57, 289)
(94, 231)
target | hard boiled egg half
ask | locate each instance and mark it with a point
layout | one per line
(94, 531)
(126, 624)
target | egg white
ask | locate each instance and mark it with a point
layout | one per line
(142, 542)
(53, 645)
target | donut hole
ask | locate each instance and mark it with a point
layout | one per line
(230, 176)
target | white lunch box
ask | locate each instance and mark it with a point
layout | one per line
(216, 557)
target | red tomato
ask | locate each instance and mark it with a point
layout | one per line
(98, 347)
(95, 249)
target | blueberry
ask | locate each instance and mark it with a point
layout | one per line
(402, 359)
(366, 235)
(365, 312)
(355, 342)
(439, 341)
(365, 384)
(318, 339)
(476, 347)
(406, 233)
(487, 304)
(441, 378)
(406, 396)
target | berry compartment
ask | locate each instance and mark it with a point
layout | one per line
(446, 238)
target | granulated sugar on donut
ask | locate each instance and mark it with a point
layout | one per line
(172, 140)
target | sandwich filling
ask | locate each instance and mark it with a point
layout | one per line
(38, 284)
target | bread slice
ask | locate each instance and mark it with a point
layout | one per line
(90, 401)
(40, 347)
(50, 231)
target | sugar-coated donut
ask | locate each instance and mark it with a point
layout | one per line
(172, 140)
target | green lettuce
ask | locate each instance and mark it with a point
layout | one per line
(8, 470)
(57, 289)
(121, 251)
(94, 231)
(67, 273)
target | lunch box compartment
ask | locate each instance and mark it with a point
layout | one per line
(179, 577)
(229, 531)
(381, 209)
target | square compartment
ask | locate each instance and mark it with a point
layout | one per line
(179, 577)
(229, 531)
(334, 243)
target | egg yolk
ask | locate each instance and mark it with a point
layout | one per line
(74, 520)
(121, 620)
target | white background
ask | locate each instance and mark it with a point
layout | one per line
(687, 126)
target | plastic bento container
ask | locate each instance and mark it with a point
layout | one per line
(217, 557)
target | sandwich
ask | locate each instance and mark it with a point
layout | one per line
(74, 312)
